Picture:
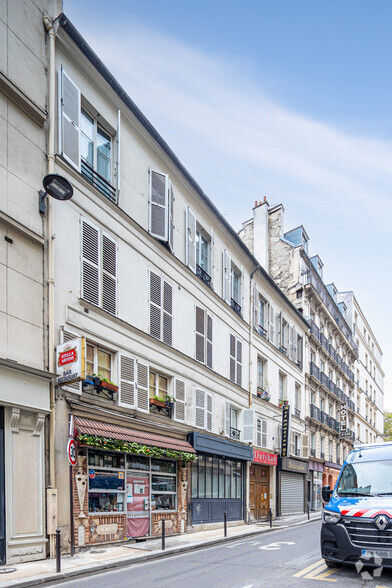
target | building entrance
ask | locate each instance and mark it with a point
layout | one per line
(259, 492)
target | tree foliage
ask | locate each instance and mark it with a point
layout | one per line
(387, 425)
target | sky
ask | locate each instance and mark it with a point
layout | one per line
(289, 99)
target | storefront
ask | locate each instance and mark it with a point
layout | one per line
(261, 475)
(124, 491)
(315, 480)
(218, 479)
(292, 475)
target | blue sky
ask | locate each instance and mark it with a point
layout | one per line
(285, 98)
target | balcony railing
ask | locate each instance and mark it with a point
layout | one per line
(314, 370)
(332, 352)
(98, 181)
(323, 417)
(235, 433)
(297, 412)
(314, 412)
(262, 331)
(203, 275)
(298, 452)
(314, 330)
(324, 341)
(235, 306)
(324, 379)
(332, 387)
(312, 453)
(322, 455)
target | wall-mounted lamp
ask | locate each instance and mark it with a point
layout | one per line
(55, 186)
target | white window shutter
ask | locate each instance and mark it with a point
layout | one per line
(127, 382)
(155, 305)
(226, 277)
(232, 358)
(295, 339)
(292, 444)
(239, 363)
(305, 446)
(200, 408)
(200, 334)
(180, 400)
(263, 433)
(209, 342)
(271, 324)
(143, 402)
(191, 240)
(255, 306)
(258, 432)
(171, 216)
(109, 274)
(158, 205)
(279, 330)
(118, 160)
(69, 127)
(227, 418)
(91, 261)
(212, 248)
(248, 417)
(167, 313)
(209, 412)
(290, 348)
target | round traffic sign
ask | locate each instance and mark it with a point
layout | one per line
(72, 452)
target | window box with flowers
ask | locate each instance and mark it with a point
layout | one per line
(264, 394)
(283, 402)
(163, 402)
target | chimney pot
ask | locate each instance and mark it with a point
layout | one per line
(255, 203)
(265, 198)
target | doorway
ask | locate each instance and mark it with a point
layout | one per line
(2, 491)
(259, 493)
(138, 504)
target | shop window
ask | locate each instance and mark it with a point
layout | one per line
(106, 491)
(135, 462)
(163, 485)
(214, 477)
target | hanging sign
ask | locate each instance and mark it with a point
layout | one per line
(71, 361)
(344, 431)
(72, 452)
(285, 430)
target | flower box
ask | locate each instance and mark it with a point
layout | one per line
(109, 386)
(160, 403)
(263, 394)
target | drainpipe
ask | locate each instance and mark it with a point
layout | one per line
(50, 236)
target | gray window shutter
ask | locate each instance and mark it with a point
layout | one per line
(180, 400)
(258, 432)
(278, 329)
(226, 277)
(155, 305)
(248, 417)
(68, 336)
(200, 334)
(69, 124)
(109, 274)
(167, 313)
(191, 240)
(295, 339)
(232, 357)
(118, 160)
(292, 444)
(90, 263)
(171, 217)
(263, 433)
(271, 324)
(200, 408)
(208, 412)
(255, 306)
(227, 418)
(239, 363)
(142, 387)
(209, 342)
(158, 205)
(127, 382)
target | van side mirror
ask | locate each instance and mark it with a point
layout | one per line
(326, 493)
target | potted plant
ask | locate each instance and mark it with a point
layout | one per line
(262, 393)
(107, 385)
(162, 401)
(282, 402)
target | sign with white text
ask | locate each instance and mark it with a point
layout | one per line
(71, 361)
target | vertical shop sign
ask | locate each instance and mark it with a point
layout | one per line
(285, 430)
(344, 432)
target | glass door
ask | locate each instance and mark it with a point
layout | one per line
(138, 504)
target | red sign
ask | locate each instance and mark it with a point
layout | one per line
(72, 452)
(68, 356)
(266, 458)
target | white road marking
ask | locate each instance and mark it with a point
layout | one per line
(277, 545)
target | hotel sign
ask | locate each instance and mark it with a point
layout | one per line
(264, 458)
(285, 430)
(71, 361)
(344, 431)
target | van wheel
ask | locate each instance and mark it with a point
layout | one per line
(332, 564)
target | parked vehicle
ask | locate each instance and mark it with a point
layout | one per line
(357, 519)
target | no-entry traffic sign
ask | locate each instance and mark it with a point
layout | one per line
(72, 452)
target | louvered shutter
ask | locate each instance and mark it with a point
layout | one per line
(271, 324)
(155, 305)
(200, 408)
(167, 313)
(127, 381)
(278, 330)
(142, 387)
(305, 446)
(191, 240)
(248, 417)
(232, 357)
(226, 277)
(292, 444)
(295, 338)
(258, 433)
(118, 161)
(90, 263)
(239, 363)
(200, 334)
(227, 418)
(159, 204)
(263, 433)
(109, 274)
(67, 336)
(255, 307)
(171, 217)
(208, 412)
(290, 349)
(209, 342)
(180, 400)
(69, 123)
(212, 248)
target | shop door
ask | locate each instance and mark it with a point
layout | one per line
(259, 493)
(2, 490)
(138, 504)
(252, 499)
(263, 502)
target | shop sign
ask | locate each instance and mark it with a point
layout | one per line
(109, 529)
(71, 361)
(285, 430)
(72, 452)
(92, 474)
(265, 458)
(294, 465)
(344, 431)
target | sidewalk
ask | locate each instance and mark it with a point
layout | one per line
(108, 557)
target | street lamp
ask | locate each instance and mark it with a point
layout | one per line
(55, 186)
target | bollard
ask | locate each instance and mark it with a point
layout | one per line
(270, 517)
(58, 551)
(308, 509)
(225, 523)
(163, 534)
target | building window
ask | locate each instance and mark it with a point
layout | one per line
(282, 386)
(297, 409)
(203, 337)
(261, 432)
(158, 385)
(235, 432)
(261, 374)
(236, 289)
(215, 477)
(161, 219)
(203, 410)
(235, 360)
(203, 253)
(95, 151)
(98, 361)
(161, 309)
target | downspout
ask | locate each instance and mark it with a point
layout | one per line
(50, 207)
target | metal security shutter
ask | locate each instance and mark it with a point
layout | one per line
(292, 493)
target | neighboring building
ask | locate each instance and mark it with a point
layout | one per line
(24, 377)
(330, 351)
(369, 376)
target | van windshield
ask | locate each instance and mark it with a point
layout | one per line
(370, 478)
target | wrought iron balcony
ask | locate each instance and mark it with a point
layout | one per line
(235, 306)
(339, 393)
(314, 412)
(312, 453)
(283, 349)
(297, 412)
(98, 181)
(332, 352)
(322, 455)
(324, 341)
(314, 330)
(314, 370)
(323, 417)
(203, 275)
(235, 433)
(262, 331)
(332, 387)
(298, 452)
(324, 379)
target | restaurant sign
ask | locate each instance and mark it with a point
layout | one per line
(71, 361)
(265, 458)
(284, 451)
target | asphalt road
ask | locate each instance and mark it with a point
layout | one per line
(280, 559)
